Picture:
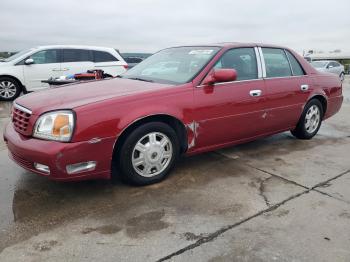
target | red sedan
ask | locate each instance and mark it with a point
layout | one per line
(181, 100)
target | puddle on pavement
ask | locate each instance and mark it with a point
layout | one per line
(40, 204)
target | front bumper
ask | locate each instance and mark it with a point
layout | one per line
(57, 155)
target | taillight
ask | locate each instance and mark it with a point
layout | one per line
(126, 66)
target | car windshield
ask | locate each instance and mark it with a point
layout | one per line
(19, 54)
(319, 64)
(174, 65)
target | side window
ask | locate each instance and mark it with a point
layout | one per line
(76, 55)
(276, 63)
(46, 57)
(334, 64)
(296, 67)
(243, 60)
(100, 56)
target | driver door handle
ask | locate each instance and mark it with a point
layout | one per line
(64, 69)
(255, 92)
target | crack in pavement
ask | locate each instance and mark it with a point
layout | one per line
(264, 171)
(222, 230)
(262, 190)
(331, 196)
(214, 235)
(321, 184)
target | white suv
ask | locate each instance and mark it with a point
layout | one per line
(25, 70)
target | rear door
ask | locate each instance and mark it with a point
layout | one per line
(231, 111)
(76, 61)
(287, 87)
(46, 64)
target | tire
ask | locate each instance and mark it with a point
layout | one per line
(310, 120)
(142, 159)
(10, 89)
(342, 76)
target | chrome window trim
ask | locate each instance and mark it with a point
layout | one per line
(232, 82)
(258, 62)
(290, 65)
(279, 77)
(259, 68)
(22, 108)
(262, 60)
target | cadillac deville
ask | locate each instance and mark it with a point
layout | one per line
(180, 101)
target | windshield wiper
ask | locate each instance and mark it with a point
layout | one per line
(141, 79)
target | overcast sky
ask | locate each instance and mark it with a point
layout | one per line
(147, 26)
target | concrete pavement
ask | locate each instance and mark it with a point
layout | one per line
(275, 199)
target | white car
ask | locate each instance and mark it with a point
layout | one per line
(330, 66)
(24, 71)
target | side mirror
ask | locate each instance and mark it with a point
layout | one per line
(220, 75)
(29, 61)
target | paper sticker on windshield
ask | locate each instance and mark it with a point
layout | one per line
(201, 52)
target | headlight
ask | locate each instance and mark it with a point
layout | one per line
(57, 125)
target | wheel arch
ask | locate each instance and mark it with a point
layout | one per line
(178, 126)
(23, 88)
(323, 101)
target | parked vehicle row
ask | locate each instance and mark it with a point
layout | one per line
(181, 100)
(25, 71)
(331, 67)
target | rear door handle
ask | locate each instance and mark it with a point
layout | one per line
(255, 92)
(56, 69)
(304, 87)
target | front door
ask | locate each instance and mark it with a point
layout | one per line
(46, 64)
(231, 111)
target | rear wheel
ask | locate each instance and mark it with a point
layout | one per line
(148, 154)
(9, 89)
(310, 120)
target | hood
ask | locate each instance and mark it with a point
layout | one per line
(75, 95)
(3, 64)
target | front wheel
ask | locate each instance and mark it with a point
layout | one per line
(9, 89)
(310, 120)
(148, 153)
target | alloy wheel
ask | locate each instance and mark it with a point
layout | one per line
(7, 89)
(312, 119)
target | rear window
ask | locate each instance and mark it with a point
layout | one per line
(296, 67)
(319, 64)
(76, 55)
(101, 56)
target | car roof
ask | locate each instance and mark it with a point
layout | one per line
(233, 44)
(75, 47)
(325, 61)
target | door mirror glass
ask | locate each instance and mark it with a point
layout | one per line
(220, 75)
(29, 61)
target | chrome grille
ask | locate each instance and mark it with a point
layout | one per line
(20, 118)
